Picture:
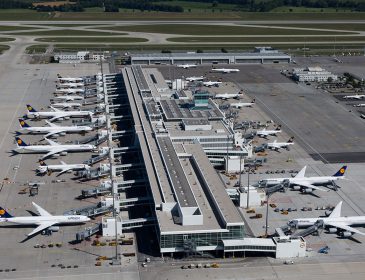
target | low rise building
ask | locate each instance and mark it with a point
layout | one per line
(313, 74)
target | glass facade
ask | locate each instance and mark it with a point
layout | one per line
(200, 239)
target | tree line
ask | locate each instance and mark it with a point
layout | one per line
(169, 6)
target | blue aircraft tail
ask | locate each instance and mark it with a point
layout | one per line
(341, 172)
(31, 109)
(23, 123)
(20, 142)
(4, 213)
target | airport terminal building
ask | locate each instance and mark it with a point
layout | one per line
(259, 56)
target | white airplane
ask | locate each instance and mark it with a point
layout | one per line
(193, 79)
(53, 129)
(70, 85)
(53, 149)
(334, 222)
(240, 105)
(67, 98)
(356, 96)
(225, 70)
(264, 133)
(186, 66)
(308, 184)
(45, 221)
(63, 168)
(210, 83)
(226, 96)
(64, 105)
(56, 114)
(69, 90)
(69, 80)
(280, 145)
(360, 105)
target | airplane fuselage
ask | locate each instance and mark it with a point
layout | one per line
(352, 220)
(57, 128)
(317, 180)
(36, 220)
(62, 114)
(49, 148)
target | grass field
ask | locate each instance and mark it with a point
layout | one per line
(268, 40)
(14, 28)
(289, 9)
(336, 26)
(91, 40)
(66, 32)
(6, 39)
(36, 49)
(3, 48)
(195, 29)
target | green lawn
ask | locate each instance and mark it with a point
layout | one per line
(6, 39)
(91, 40)
(14, 28)
(36, 49)
(66, 32)
(289, 9)
(336, 26)
(268, 40)
(195, 29)
(3, 48)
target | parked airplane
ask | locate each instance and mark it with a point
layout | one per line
(45, 221)
(194, 79)
(56, 114)
(69, 79)
(264, 133)
(53, 129)
(69, 90)
(210, 83)
(356, 96)
(239, 105)
(280, 145)
(334, 222)
(308, 184)
(225, 70)
(70, 85)
(226, 96)
(67, 98)
(360, 105)
(186, 66)
(63, 168)
(65, 105)
(53, 149)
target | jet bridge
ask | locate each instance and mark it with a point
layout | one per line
(105, 187)
(312, 229)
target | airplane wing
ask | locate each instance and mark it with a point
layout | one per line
(41, 227)
(40, 210)
(310, 186)
(53, 133)
(51, 124)
(56, 118)
(53, 152)
(344, 227)
(52, 143)
(64, 170)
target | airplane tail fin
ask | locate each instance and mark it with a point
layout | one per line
(4, 213)
(291, 139)
(23, 123)
(31, 109)
(20, 142)
(336, 213)
(278, 127)
(341, 172)
(301, 173)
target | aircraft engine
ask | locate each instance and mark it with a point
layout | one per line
(54, 228)
(332, 230)
(306, 190)
(296, 188)
(67, 118)
(63, 153)
(63, 133)
(346, 234)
